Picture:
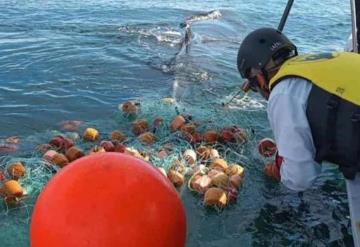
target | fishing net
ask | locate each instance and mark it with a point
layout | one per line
(258, 197)
(215, 117)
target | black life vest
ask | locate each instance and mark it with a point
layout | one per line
(333, 109)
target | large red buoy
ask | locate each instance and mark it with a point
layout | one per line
(108, 199)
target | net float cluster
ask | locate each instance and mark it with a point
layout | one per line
(201, 167)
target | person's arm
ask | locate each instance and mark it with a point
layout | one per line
(287, 116)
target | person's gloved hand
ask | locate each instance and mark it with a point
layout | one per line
(272, 170)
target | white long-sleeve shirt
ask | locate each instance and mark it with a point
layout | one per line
(287, 115)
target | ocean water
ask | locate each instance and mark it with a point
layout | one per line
(63, 60)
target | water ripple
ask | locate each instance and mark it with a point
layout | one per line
(13, 106)
(10, 89)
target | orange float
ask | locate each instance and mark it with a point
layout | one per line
(177, 123)
(235, 169)
(49, 155)
(267, 147)
(119, 148)
(236, 181)
(203, 152)
(176, 178)
(200, 183)
(16, 170)
(71, 125)
(140, 126)
(214, 154)
(210, 136)
(97, 201)
(197, 137)
(213, 172)
(240, 136)
(147, 138)
(190, 156)
(61, 143)
(60, 160)
(8, 148)
(220, 180)
(219, 164)
(91, 134)
(117, 136)
(215, 197)
(192, 138)
(74, 153)
(12, 188)
(233, 134)
(107, 145)
(192, 180)
(188, 128)
(129, 107)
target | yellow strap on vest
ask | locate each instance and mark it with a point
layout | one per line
(337, 73)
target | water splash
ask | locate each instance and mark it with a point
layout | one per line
(247, 102)
(162, 34)
(212, 15)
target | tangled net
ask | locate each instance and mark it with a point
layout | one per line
(39, 171)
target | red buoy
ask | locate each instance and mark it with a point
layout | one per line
(108, 199)
(267, 147)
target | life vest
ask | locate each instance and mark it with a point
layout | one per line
(333, 108)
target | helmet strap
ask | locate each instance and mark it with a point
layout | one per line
(263, 84)
(263, 79)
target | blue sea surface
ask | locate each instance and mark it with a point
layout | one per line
(70, 59)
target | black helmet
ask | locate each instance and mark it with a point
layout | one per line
(259, 47)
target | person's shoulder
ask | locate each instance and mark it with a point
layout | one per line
(294, 87)
(290, 82)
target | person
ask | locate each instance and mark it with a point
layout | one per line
(313, 109)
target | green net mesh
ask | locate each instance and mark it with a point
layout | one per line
(245, 113)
